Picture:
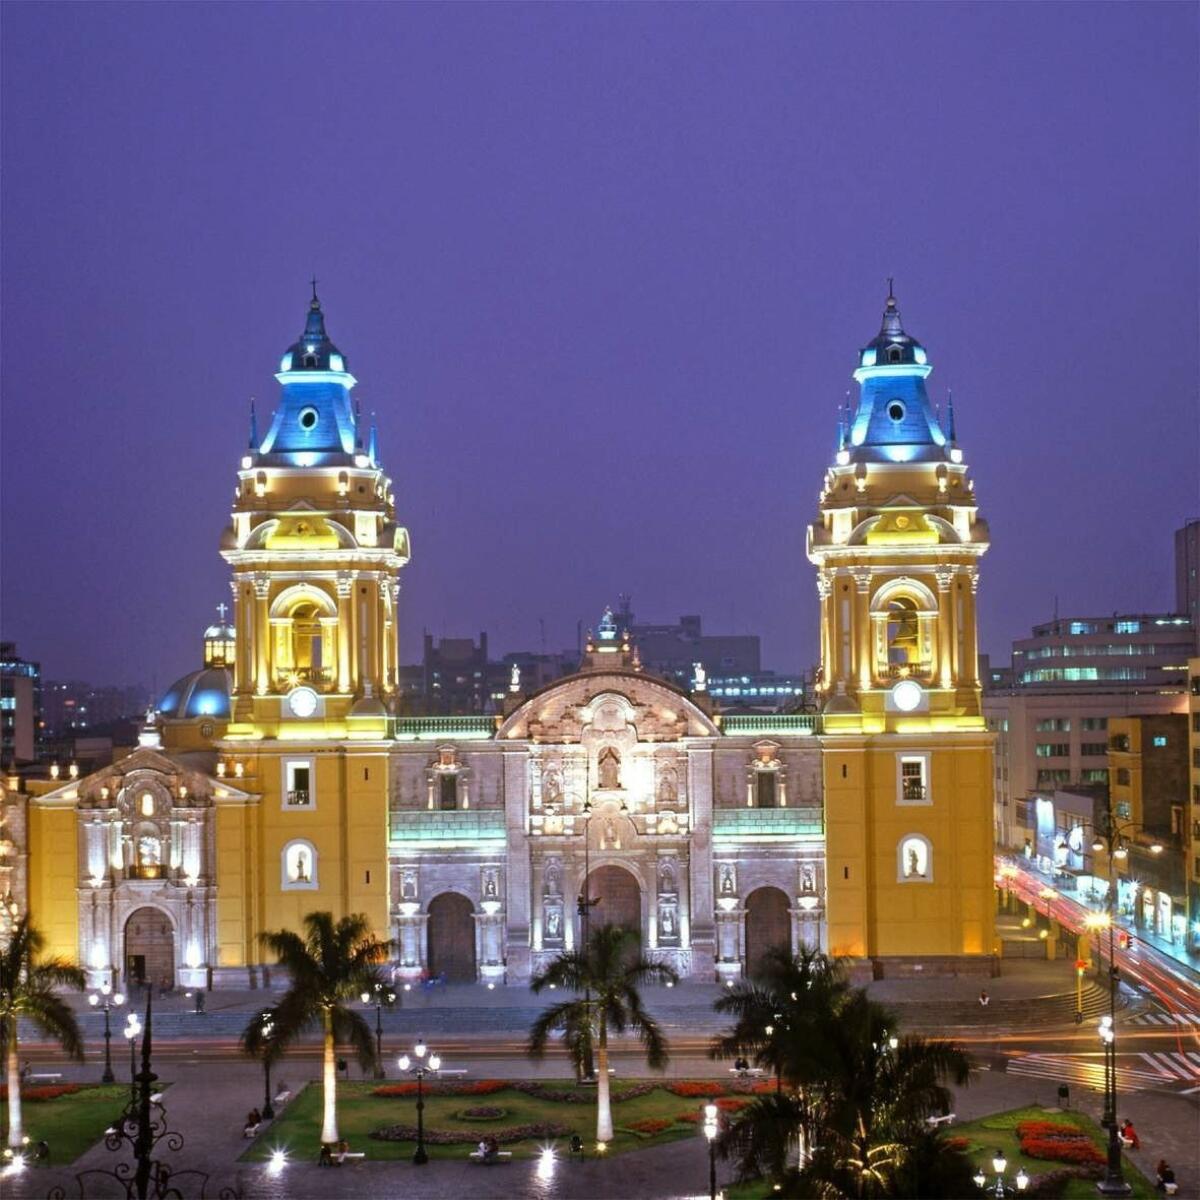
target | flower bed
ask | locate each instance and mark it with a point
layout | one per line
(731, 1104)
(649, 1126)
(477, 1087)
(1058, 1142)
(697, 1087)
(562, 1096)
(50, 1091)
(481, 1112)
(464, 1137)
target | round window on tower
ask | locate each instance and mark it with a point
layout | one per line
(895, 410)
(308, 418)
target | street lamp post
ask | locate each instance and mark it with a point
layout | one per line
(268, 1030)
(1000, 1188)
(133, 1027)
(106, 999)
(382, 996)
(711, 1128)
(418, 1068)
(585, 905)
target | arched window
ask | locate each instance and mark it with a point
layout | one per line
(914, 859)
(298, 866)
(903, 631)
(306, 639)
(895, 354)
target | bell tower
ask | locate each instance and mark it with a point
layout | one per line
(897, 544)
(315, 550)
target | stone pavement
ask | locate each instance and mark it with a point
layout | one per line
(206, 1103)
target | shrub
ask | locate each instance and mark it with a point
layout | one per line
(482, 1112)
(579, 1095)
(650, 1125)
(1037, 1129)
(50, 1091)
(477, 1087)
(464, 1137)
(693, 1116)
(731, 1104)
(696, 1087)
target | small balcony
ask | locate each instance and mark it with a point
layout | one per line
(913, 791)
(320, 678)
(299, 798)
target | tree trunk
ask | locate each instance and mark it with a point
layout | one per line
(604, 1126)
(329, 1129)
(16, 1129)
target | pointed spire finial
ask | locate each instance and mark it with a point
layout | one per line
(315, 302)
(950, 415)
(373, 443)
(253, 426)
(891, 296)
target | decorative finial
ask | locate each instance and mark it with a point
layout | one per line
(373, 443)
(315, 302)
(253, 426)
(891, 296)
(222, 609)
(950, 415)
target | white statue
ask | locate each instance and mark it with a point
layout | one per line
(514, 682)
(699, 678)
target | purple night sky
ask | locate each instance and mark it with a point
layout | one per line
(602, 271)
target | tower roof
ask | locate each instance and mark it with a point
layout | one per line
(313, 350)
(891, 344)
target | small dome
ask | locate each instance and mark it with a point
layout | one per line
(225, 632)
(313, 351)
(892, 344)
(204, 693)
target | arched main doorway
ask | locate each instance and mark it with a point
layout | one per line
(451, 933)
(619, 898)
(768, 923)
(149, 947)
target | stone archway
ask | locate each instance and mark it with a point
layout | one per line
(451, 938)
(768, 924)
(619, 898)
(149, 947)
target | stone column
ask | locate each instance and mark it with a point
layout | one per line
(262, 633)
(968, 668)
(242, 670)
(344, 639)
(862, 627)
(945, 664)
(699, 884)
(514, 771)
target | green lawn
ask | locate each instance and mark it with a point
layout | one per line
(298, 1128)
(70, 1124)
(998, 1132)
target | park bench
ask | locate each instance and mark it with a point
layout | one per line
(488, 1160)
(944, 1119)
(250, 1131)
(283, 1097)
(44, 1076)
(442, 1071)
(742, 1072)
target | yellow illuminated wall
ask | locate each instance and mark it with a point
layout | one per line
(54, 877)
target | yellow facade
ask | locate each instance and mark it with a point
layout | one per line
(53, 877)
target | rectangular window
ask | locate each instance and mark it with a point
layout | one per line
(1093, 749)
(1123, 811)
(1119, 741)
(1094, 775)
(1053, 778)
(1052, 749)
(1159, 739)
(1127, 627)
(913, 782)
(1091, 724)
(1123, 776)
(764, 789)
(298, 789)
(1196, 722)
(1054, 725)
(448, 791)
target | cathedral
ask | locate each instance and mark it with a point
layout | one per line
(279, 778)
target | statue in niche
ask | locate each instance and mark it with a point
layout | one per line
(913, 864)
(610, 768)
(808, 883)
(489, 886)
(408, 886)
(668, 922)
(727, 888)
(668, 789)
(551, 789)
(300, 871)
(553, 879)
(666, 878)
(553, 924)
(609, 841)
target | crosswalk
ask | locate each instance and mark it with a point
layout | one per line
(1153, 1069)
(1162, 1018)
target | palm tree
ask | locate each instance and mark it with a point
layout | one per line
(778, 1015)
(327, 967)
(27, 990)
(611, 968)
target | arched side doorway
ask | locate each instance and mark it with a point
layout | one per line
(149, 947)
(768, 923)
(451, 938)
(619, 898)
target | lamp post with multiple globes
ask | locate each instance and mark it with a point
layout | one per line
(382, 996)
(133, 1029)
(419, 1068)
(712, 1116)
(1000, 1188)
(106, 1000)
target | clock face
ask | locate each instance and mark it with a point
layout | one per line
(302, 702)
(906, 695)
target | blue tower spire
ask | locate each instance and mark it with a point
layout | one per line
(253, 426)
(314, 423)
(950, 416)
(894, 420)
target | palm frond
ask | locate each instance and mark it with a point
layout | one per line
(567, 1015)
(350, 1029)
(566, 971)
(54, 1017)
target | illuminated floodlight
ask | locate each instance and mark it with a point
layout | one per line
(278, 1161)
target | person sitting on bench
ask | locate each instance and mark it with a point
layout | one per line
(489, 1149)
(325, 1158)
(741, 1064)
